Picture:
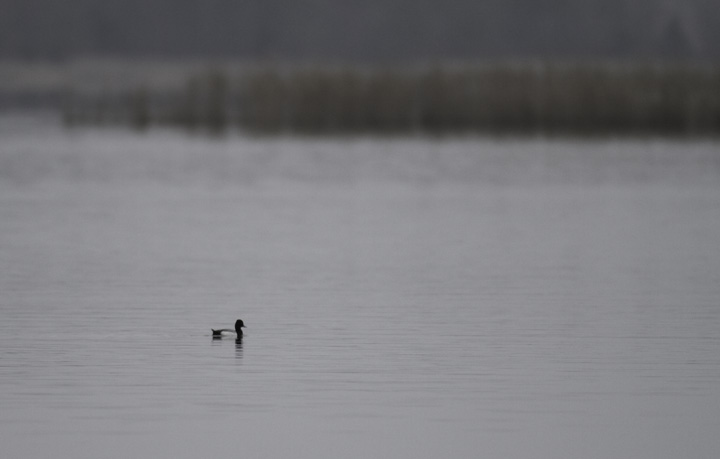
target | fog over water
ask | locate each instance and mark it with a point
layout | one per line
(404, 297)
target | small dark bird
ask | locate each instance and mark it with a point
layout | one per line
(239, 325)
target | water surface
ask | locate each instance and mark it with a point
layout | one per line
(404, 298)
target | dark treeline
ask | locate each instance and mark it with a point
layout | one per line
(528, 97)
(368, 31)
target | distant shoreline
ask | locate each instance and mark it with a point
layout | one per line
(494, 97)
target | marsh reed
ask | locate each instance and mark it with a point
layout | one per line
(495, 98)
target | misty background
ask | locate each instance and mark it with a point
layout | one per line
(367, 31)
(398, 66)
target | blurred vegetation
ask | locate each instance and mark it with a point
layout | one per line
(526, 98)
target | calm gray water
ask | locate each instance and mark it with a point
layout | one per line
(404, 298)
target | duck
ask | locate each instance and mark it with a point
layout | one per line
(239, 325)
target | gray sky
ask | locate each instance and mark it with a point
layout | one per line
(368, 30)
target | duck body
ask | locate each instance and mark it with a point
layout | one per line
(239, 325)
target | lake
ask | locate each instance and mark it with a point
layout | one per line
(410, 297)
